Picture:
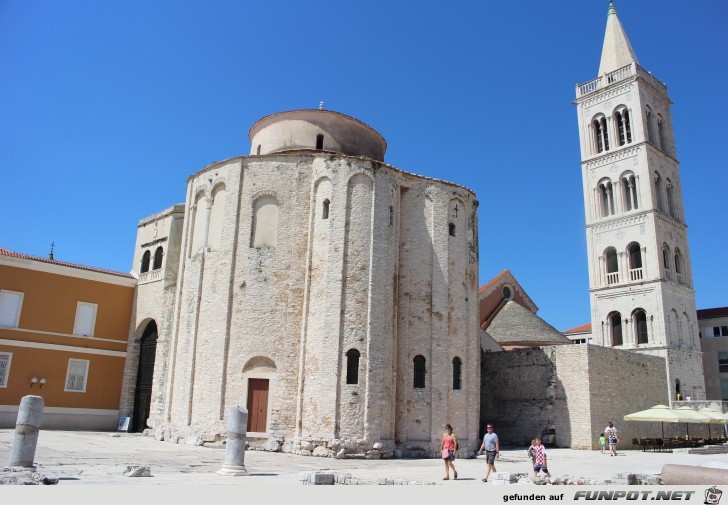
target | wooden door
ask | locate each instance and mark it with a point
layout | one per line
(145, 378)
(257, 405)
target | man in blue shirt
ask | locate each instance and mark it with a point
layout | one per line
(492, 449)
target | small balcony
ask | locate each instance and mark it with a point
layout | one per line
(633, 69)
(636, 274)
(613, 278)
(151, 276)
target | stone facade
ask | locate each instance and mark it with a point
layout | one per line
(297, 265)
(573, 389)
(714, 346)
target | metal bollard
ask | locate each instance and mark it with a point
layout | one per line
(235, 446)
(27, 427)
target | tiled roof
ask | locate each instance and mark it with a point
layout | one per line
(578, 329)
(716, 312)
(13, 254)
(516, 324)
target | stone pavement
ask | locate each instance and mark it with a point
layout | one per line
(80, 458)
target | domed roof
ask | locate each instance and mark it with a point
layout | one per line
(315, 129)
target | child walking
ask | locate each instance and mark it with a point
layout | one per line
(602, 442)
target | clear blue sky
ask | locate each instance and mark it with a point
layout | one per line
(106, 107)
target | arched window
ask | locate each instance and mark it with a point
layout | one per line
(650, 128)
(629, 194)
(678, 265)
(635, 262)
(640, 326)
(606, 198)
(352, 366)
(658, 192)
(601, 136)
(671, 209)
(666, 256)
(457, 370)
(610, 256)
(451, 229)
(265, 222)
(146, 258)
(217, 218)
(621, 117)
(257, 151)
(661, 133)
(158, 256)
(199, 223)
(615, 328)
(420, 370)
(319, 141)
(325, 209)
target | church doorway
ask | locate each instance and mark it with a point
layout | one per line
(258, 405)
(145, 374)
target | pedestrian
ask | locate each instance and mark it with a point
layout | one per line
(449, 448)
(612, 437)
(532, 455)
(541, 462)
(602, 442)
(491, 445)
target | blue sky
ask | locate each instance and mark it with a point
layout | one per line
(107, 107)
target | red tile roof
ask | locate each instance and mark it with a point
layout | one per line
(13, 254)
(578, 329)
(716, 312)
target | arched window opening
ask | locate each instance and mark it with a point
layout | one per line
(612, 266)
(146, 258)
(679, 265)
(602, 137)
(158, 256)
(666, 256)
(635, 262)
(325, 209)
(265, 222)
(606, 198)
(457, 369)
(658, 192)
(352, 366)
(621, 117)
(640, 326)
(451, 229)
(319, 141)
(629, 195)
(420, 370)
(615, 328)
(671, 208)
(257, 151)
(661, 133)
(650, 128)
(217, 218)
(199, 223)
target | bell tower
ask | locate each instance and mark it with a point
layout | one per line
(640, 278)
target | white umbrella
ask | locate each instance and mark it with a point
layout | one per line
(692, 416)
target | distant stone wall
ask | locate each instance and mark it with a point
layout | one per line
(573, 389)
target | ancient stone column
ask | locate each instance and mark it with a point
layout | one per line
(27, 427)
(235, 445)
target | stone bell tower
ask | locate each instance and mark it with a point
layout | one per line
(640, 277)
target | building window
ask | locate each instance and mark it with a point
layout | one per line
(457, 372)
(85, 319)
(217, 217)
(615, 328)
(629, 195)
(11, 303)
(625, 129)
(720, 331)
(420, 370)
(612, 265)
(507, 293)
(650, 127)
(659, 203)
(319, 141)
(257, 151)
(352, 366)
(451, 229)
(602, 137)
(76, 375)
(678, 262)
(606, 198)
(635, 262)
(265, 222)
(640, 326)
(661, 133)
(325, 210)
(723, 362)
(666, 256)
(5, 359)
(146, 260)
(671, 208)
(158, 256)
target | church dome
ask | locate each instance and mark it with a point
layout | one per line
(315, 129)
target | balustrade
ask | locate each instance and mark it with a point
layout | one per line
(635, 274)
(151, 276)
(613, 278)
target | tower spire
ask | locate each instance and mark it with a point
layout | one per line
(616, 51)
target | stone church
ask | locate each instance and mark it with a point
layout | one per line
(334, 295)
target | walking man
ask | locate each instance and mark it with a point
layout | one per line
(492, 449)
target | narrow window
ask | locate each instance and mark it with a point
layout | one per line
(635, 256)
(319, 141)
(665, 256)
(650, 128)
(627, 126)
(158, 256)
(352, 366)
(661, 133)
(146, 259)
(451, 229)
(457, 368)
(640, 326)
(85, 319)
(76, 375)
(612, 266)
(622, 131)
(599, 137)
(391, 216)
(615, 325)
(5, 359)
(658, 193)
(671, 209)
(10, 304)
(606, 134)
(420, 369)
(716, 331)
(678, 262)
(325, 210)
(257, 151)
(724, 331)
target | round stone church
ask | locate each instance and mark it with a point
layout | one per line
(333, 295)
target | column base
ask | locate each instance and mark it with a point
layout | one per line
(232, 471)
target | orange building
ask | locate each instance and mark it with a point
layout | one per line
(63, 336)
